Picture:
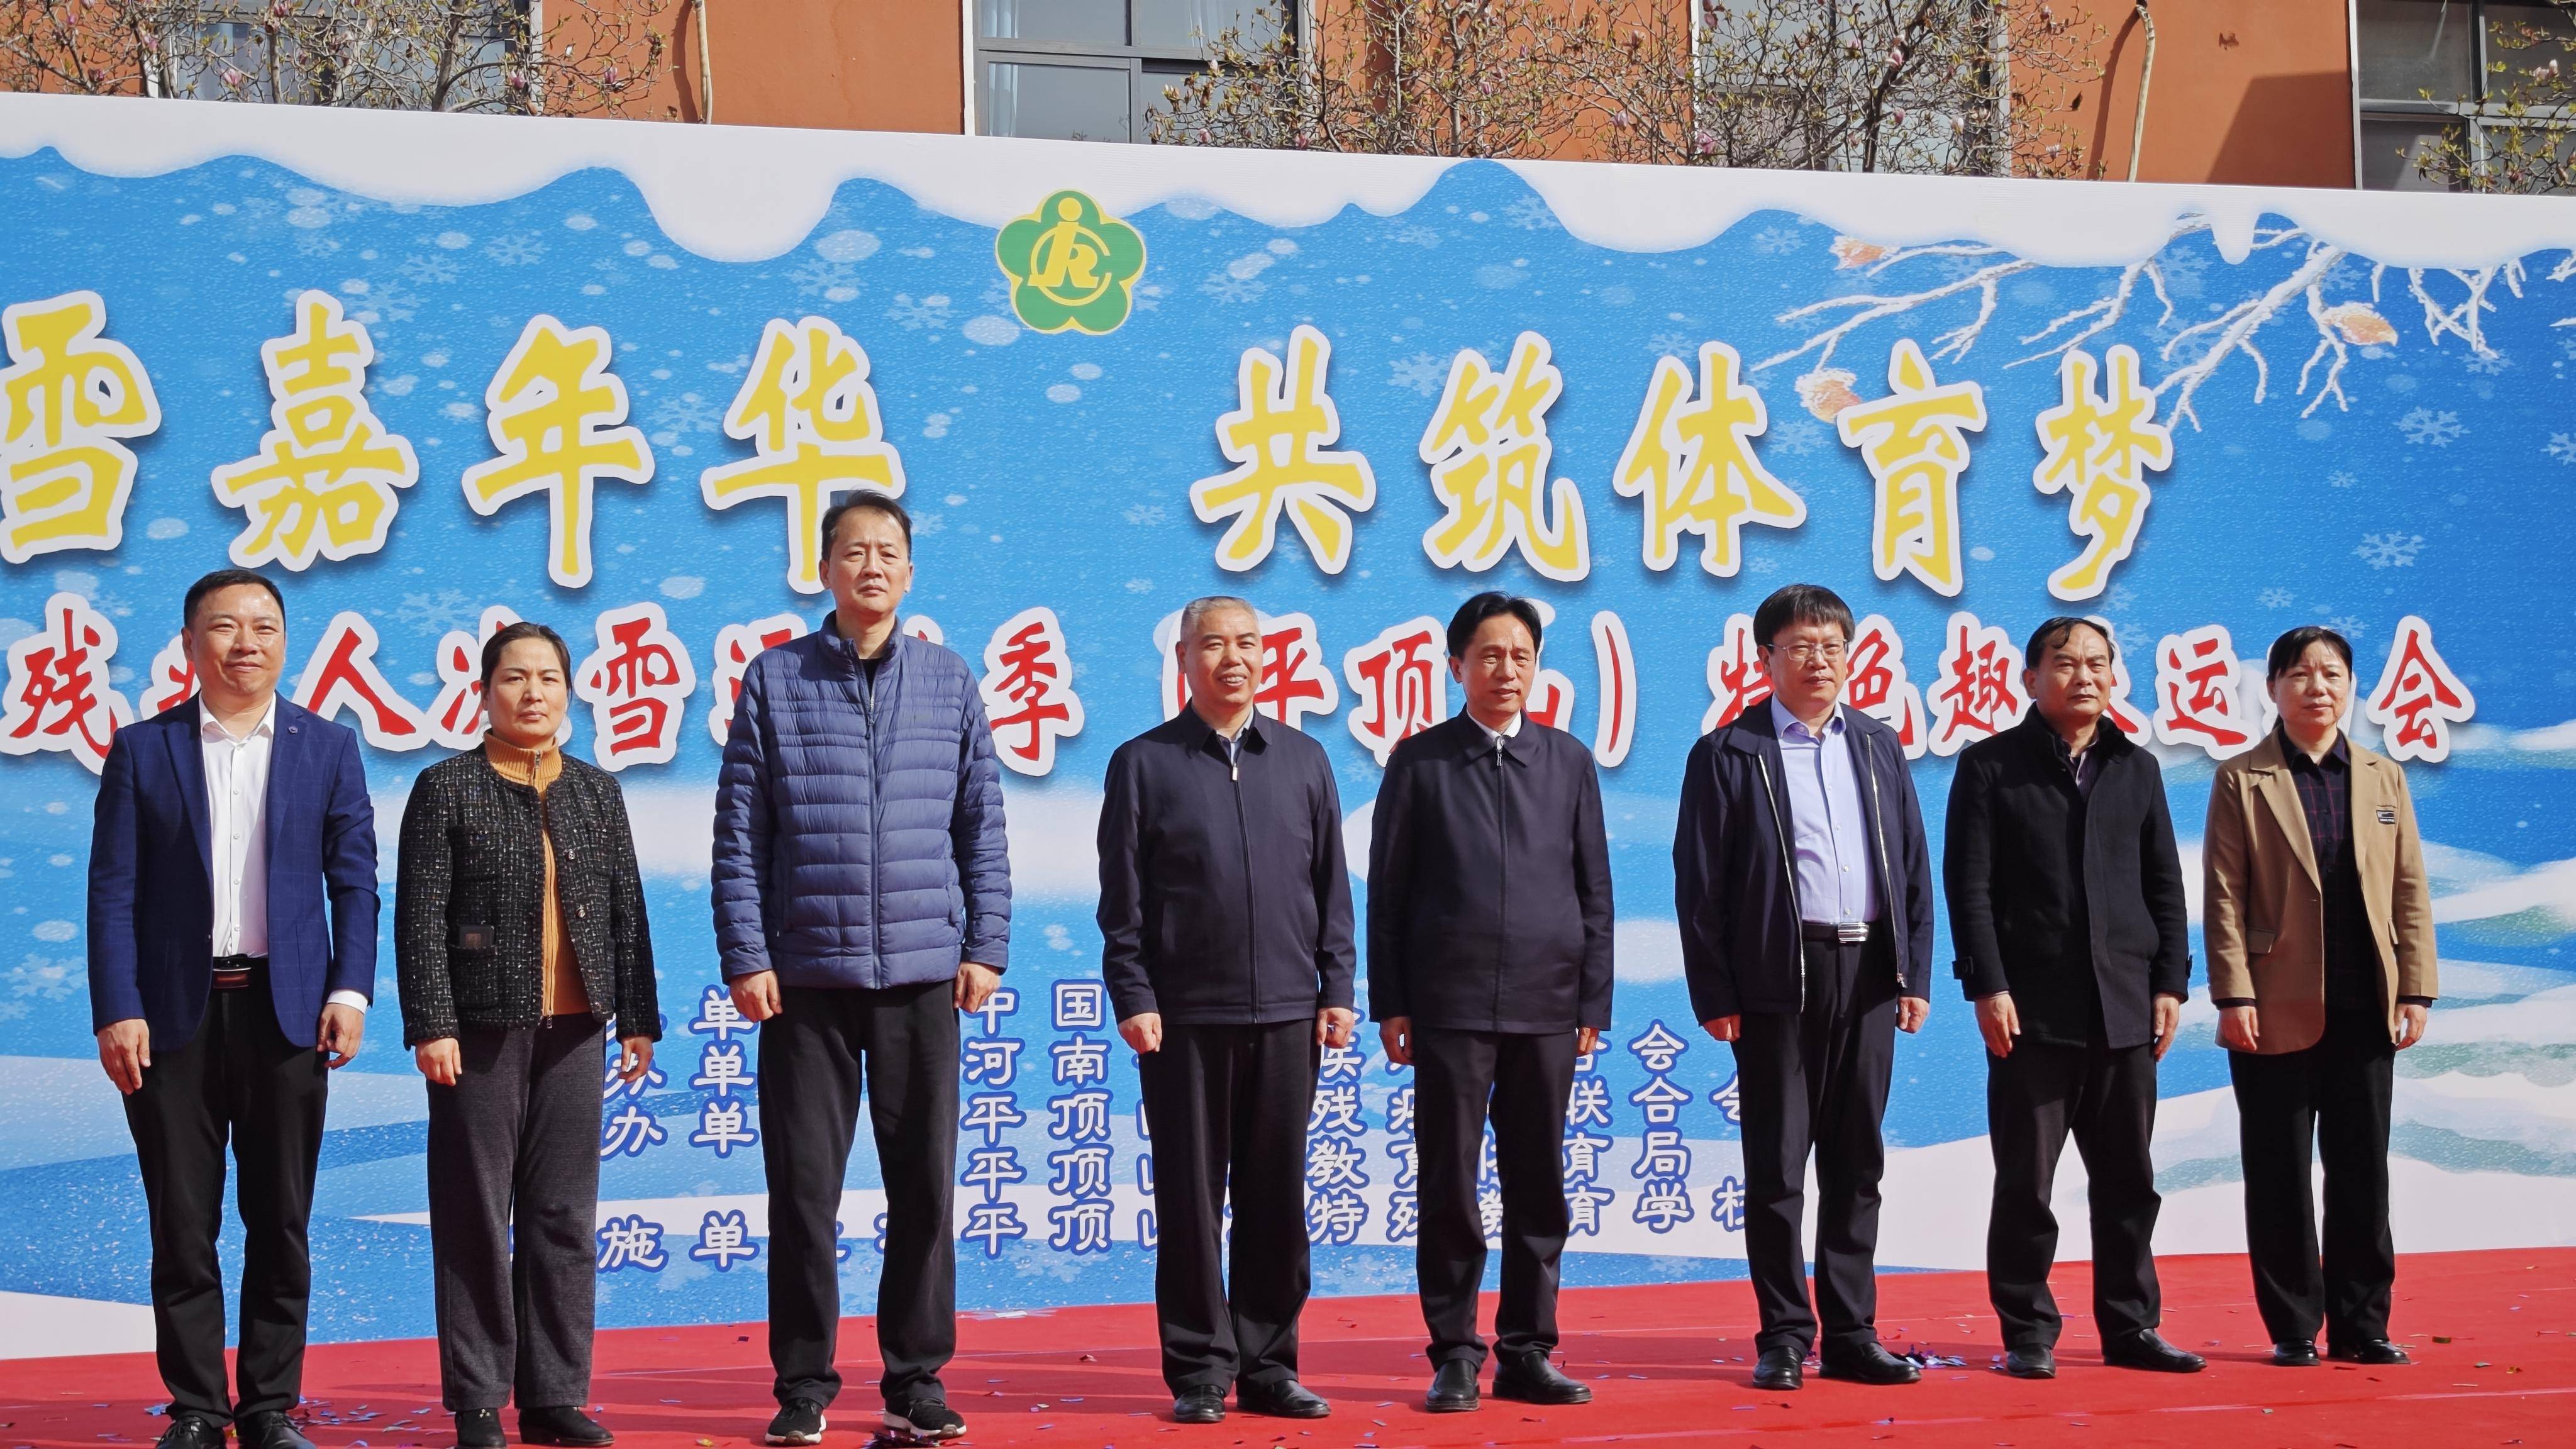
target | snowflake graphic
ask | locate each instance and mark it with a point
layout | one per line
(1145, 515)
(1763, 565)
(1954, 269)
(930, 311)
(2348, 271)
(2424, 425)
(1227, 288)
(2340, 479)
(393, 303)
(45, 977)
(1797, 437)
(515, 250)
(2562, 446)
(2349, 626)
(2274, 598)
(437, 613)
(2389, 550)
(2486, 364)
(262, 206)
(2120, 599)
(1415, 235)
(832, 281)
(316, 244)
(1147, 298)
(1671, 344)
(430, 270)
(687, 413)
(1421, 373)
(1773, 241)
(1530, 213)
(926, 524)
(2183, 264)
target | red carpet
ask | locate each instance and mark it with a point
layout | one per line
(2494, 1336)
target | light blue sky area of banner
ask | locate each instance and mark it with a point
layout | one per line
(1055, 470)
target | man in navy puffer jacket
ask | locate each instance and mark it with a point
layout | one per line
(863, 899)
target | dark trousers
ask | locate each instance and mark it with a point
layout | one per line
(1460, 1079)
(2107, 1098)
(2332, 1100)
(1228, 1104)
(515, 1145)
(1817, 1080)
(240, 1078)
(814, 1057)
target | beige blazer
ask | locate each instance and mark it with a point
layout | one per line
(2263, 906)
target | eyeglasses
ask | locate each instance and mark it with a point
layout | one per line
(1831, 653)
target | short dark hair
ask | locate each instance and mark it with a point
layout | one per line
(869, 501)
(1472, 615)
(220, 580)
(1800, 604)
(510, 634)
(2291, 647)
(2053, 632)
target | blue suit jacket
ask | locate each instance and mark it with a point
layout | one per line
(1735, 887)
(151, 871)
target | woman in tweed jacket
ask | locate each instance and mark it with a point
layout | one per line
(519, 929)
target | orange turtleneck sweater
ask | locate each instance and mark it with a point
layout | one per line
(538, 770)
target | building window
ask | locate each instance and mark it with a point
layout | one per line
(1095, 70)
(2432, 72)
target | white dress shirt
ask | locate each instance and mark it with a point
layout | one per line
(237, 827)
(1494, 737)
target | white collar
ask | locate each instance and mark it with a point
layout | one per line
(1509, 731)
(1782, 722)
(209, 729)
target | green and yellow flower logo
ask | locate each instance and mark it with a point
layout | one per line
(1071, 265)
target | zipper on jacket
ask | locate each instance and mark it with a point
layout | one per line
(1251, 915)
(1886, 882)
(876, 811)
(1502, 878)
(1789, 872)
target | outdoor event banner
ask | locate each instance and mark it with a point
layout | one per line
(434, 374)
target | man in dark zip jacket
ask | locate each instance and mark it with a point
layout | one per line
(1804, 891)
(1489, 973)
(862, 891)
(1225, 922)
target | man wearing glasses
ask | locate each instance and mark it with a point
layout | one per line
(1804, 891)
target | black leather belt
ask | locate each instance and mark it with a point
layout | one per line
(1841, 933)
(234, 973)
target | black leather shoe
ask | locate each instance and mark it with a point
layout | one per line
(2034, 1362)
(1781, 1368)
(1870, 1363)
(2147, 1349)
(2377, 1352)
(1529, 1378)
(271, 1430)
(479, 1429)
(1284, 1399)
(1453, 1388)
(564, 1425)
(2296, 1353)
(192, 1431)
(1202, 1405)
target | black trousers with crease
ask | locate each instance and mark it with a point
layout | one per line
(1228, 1106)
(2106, 1098)
(2330, 1101)
(1461, 1079)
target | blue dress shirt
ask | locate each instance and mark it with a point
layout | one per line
(1827, 831)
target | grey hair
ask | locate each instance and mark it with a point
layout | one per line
(1196, 611)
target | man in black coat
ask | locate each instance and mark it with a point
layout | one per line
(1489, 973)
(1804, 891)
(2066, 899)
(1225, 921)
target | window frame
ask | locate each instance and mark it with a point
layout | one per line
(2474, 117)
(1141, 63)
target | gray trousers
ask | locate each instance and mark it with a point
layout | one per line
(516, 1140)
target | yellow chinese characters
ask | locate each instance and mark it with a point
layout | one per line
(1914, 441)
(1691, 459)
(2098, 448)
(1488, 450)
(323, 481)
(809, 414)
(65, 400)
(556, 417)
(1279, 440)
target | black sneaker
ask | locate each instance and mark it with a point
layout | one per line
(799, 1421)
(923, 1419)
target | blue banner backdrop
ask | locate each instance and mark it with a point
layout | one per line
(1108, 380)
